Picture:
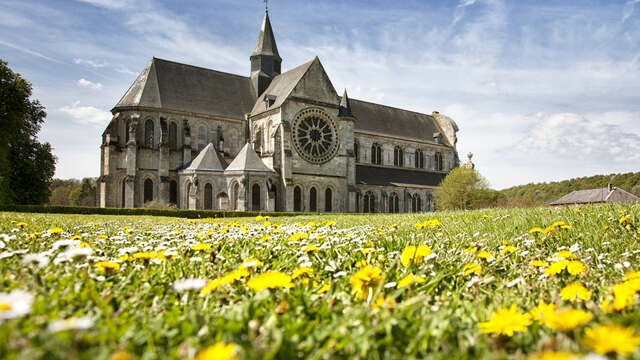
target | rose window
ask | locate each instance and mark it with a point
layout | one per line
(314, 135)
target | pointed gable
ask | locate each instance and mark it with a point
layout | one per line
(208, 160)
(315, 85)
(248, 161)
(280, 88)
(144, 91)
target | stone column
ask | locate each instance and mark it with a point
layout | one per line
(186, 147)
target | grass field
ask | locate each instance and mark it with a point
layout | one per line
(535, 283)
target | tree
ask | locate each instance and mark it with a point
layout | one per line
(463, 188)
(26, 165)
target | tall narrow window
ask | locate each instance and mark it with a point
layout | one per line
(127, 126)
(398, 156)
(313, 200)
(394, 203)
(419, 159)
(148, 134)
(297, 199)
(148, 190)
(258, 142)
(124, 193)
(235, 197)
(173, 192)
(356, 151)
(376, 154)
(438, 161)
(173, 136)
(202, 137)
(369, 201)
(255, 197)
(328, 200)
(358, 198)
(208, 197)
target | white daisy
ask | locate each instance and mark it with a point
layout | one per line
(15, 304)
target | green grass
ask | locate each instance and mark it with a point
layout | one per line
(137, 310)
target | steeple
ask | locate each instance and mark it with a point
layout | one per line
(345, 106)
(265, 60)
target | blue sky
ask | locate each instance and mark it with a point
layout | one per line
(541, 90)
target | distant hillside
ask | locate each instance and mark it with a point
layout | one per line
(544, 193)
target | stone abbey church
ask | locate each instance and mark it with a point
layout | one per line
(270, 141)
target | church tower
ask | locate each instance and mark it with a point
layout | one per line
(265, 60)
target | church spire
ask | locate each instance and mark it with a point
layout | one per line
(345, 106)
(265, 60)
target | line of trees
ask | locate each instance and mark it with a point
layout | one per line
(73, 192)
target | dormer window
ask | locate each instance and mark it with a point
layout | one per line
(437, 138)
(269, 100)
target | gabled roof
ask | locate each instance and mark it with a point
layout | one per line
(392, 121)
(170, 85)
(597, 196)
(384, 176)
(281, 86)
(208, 160)
(248, 161)
(266, 44)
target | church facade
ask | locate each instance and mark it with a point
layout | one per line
(272, 141)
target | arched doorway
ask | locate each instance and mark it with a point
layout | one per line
(328, 200)
(297, 199)
(208, 197)
(255, 197)
(173, 192)
(148, 190)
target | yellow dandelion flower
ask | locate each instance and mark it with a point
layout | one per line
(548, 231)
(575, 267)
(270, 280)
(604, 339)
(412, 254)
(145, 255)
(121, 355)
(361, 263)
(383, 302)
(624, 219)
(536, 230)
(567, 320)
(102, 236)
(538, 263)
(472, 268)
(471, 250)
(310, 248)
(107, 265)
(76, 237)
(574, 292)
(508, 249)
(564, 254)
(556, 267)
(219, 351)
(542, 311)
(631, 276)
(324, 289)
(297, 237)
(405, 281)
(201, 247)
(83, 245)
(550, 355)
(506, 321)
(484, 216)
(55, 230)
(365, 281)
(301, 271)
(558, 224)
(211, 286)
(484, 255)
(21, 224)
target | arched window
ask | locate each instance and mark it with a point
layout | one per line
(148, 134)
(208, 197)
(258, 142)
(148, 190)
(438, 161)
(313, 200)
(127, 126)
(328, 200)
(255, 197)
(356, 151)
(376, 154)
(369, 203)
(173, 136)
(419, 159)
(398, 156)
(124, 193)
(297, 199)
(173, 192)
(235, 199)
(416, 203)
(394, 203)
(186, 196)
(202, 137)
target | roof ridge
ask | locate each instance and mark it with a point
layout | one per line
(201, 67)
(390, 107)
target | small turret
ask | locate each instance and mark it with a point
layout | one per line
(265, 61)
(345, 106)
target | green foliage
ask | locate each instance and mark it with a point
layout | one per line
(463, 188)
(544, 193)
(73, 192)
(26, 165)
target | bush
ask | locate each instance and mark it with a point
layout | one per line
(463, 189)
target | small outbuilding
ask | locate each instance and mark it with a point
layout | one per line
(595, 196)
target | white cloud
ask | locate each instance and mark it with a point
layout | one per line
(109, 4)
(29, 51)
(86, 114)
(628, 9)
(91, 63)
(89, 84)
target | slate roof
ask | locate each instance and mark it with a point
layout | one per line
(381, 119)
(266, 44)
(281, 86)
(248, 161)
(616, 195)
(175, 86)
(208, 160)
(375, 175)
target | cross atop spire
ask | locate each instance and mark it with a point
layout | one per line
(266, 5)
